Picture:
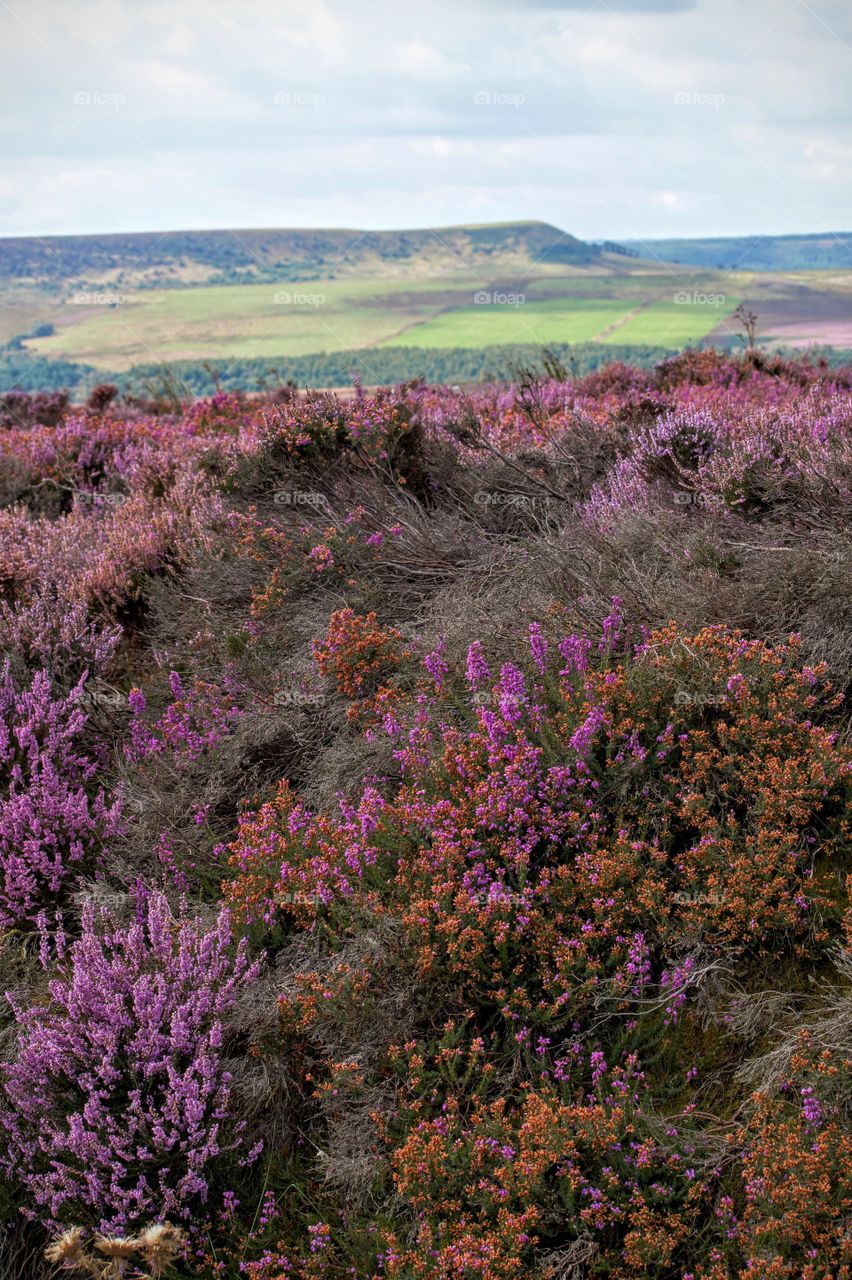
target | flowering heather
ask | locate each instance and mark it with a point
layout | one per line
(54, 819)
(555, 890)
(360, 656)
(118, 1104)
(47, 633)
(197, 719)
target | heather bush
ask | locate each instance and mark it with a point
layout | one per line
(54, 820)
(797, 1170)
(118, 1101)
(46, 633)
(488, 1175)
(526, 876)
(532, 824)
(197, 718)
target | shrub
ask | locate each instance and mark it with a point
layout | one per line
(53, 822)
(118, 1101)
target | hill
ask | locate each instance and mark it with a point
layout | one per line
(246, 255)
(827, 251)
(105, 305)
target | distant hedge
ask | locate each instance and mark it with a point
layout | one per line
(21, 370)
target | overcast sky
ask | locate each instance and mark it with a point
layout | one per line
(627, 118)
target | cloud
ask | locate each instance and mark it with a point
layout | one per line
(616, 118)
(612, 6)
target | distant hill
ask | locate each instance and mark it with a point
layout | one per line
(827, 251)
(80, 308)
(248, 256)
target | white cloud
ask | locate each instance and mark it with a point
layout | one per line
(416, 58)
(585, 122)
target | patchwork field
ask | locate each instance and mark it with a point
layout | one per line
(114, 329)
(452, 289)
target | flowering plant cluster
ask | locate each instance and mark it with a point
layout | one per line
(554, 889)
(198, 717)
(54, 819)
(518, 859)
(118, 1101)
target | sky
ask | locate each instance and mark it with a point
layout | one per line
(611, 120)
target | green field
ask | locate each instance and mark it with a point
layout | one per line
(556, 320)
(668, 324)
(265, 320)
(243, 320)
(566, 320)
(415, 299)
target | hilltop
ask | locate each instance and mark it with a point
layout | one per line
(249, 255)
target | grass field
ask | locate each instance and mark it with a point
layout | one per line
(244, 320)
(555, 320)
(336, 315)
(669, 324)
(629, 302)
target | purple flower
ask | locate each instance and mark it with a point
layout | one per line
(512, 692)
(581, 739)
(53, 821)
(612, 625)
(435, 664)
(477, 668)
(676, 983)
(575, 652)
(598, 1064)
(538, 646)
(811, 1108)
(118, 1104)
